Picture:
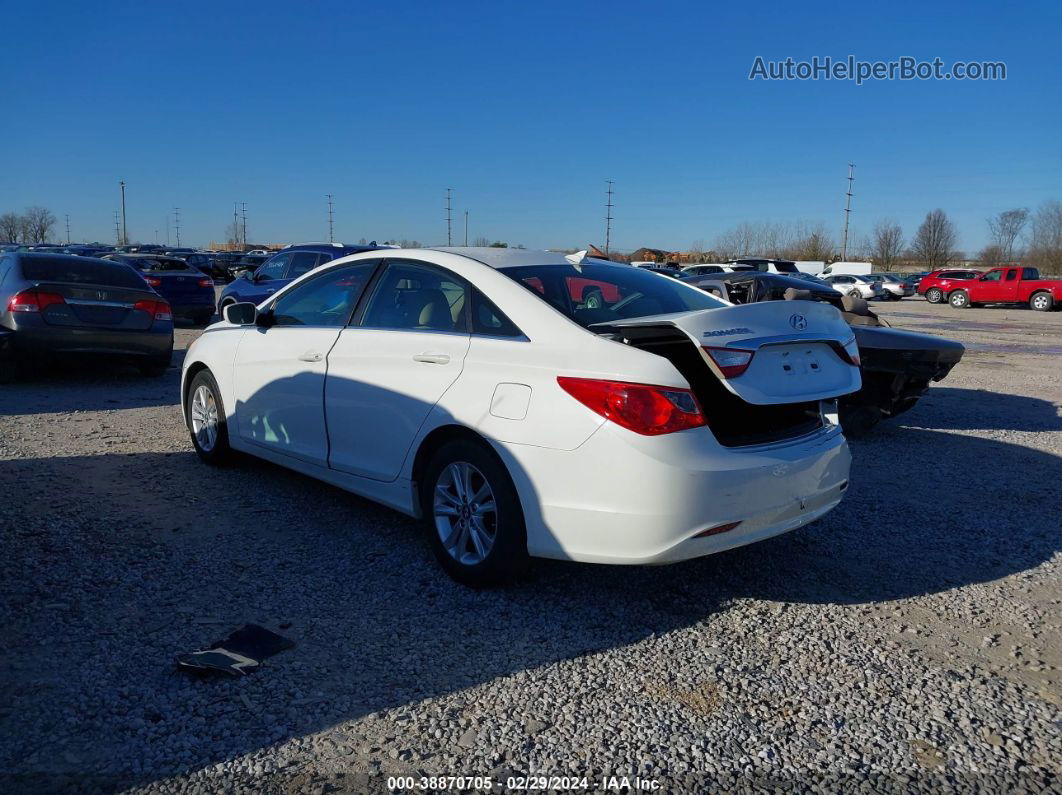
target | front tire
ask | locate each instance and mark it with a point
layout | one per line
(959, 300)
(854, 294)
(934, 295)
(1041, 302)
(474, 521)
(205, 418)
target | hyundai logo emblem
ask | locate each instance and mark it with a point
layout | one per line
(799, 322)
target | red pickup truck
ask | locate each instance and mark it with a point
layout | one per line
(1012, 284)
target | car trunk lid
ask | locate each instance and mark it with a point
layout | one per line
(99, 306)
(795, 350)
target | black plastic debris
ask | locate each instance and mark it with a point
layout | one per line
(236, 655)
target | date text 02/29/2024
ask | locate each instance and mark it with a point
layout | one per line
(523, 783)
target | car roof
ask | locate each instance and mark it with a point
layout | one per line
(348, 249)
(511, 257)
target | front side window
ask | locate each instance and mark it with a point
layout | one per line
(607, 293)
(274, 268)
(417, 297)
(993, 276)
(326, 300)
(302, 262)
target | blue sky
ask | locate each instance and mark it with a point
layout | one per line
(524, 109)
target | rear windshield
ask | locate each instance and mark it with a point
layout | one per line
(160, 265)
(80, 270)
(607, 293)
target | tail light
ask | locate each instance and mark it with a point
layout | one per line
(731, 362)
(33, 301)
(642, 408)
(206, 282)
(154, 281)
(851, 352)
(159, 310)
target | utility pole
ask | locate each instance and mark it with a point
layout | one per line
(117, 230)
(176, 226)
(331, 238)
(125, 229)
(466, 227)
(847, 212)
(68, 229)
(244, 224)
(449, 219)
(608, 216)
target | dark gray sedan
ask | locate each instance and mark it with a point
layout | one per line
(59, 304)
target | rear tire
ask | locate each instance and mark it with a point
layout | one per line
(204, 415)
(934, 295)
(474, 521)
(1041, 302)
(854, 294)
(959, 300)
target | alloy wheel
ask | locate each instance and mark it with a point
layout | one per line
(204, 415)
(1040, 302)
(466, 513)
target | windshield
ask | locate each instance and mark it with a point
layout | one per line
(80, 270)
(606, 293)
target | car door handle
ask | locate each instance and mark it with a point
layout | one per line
(310, 356)
(432, 358)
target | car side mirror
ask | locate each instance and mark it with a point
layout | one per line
(242, 314)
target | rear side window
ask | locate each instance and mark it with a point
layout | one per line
(80, 270)
(416, 297)
(303, 262)
(1030, 273)
(488, 320)
(1012, 275)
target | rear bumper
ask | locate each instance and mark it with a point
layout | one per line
(29, 341)
(626, 499)
(186, 307)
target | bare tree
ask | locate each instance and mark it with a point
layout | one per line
(886, 245)
(481, 242)
(38, 222)
(1006, 229)
(992, 255)
(1045, 240)
(10, 228)
(934, 242)
(812, 242)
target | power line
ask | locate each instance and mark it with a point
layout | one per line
(847, 212)
(331, 238)
(608, 216)
(235, 226)
(176, 226)
(68, 229)
(449, 219)
(244, 224)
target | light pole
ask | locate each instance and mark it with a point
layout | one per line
(125, 229)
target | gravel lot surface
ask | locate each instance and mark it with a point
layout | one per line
(909, 641)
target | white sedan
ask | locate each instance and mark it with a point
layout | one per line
(524, 404)
(855, 286)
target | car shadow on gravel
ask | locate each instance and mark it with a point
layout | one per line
(111, 565)
(63, 387)
(951, 408)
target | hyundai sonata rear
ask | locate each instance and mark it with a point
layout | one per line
(527, 404)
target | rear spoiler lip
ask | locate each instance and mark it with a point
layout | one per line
(755, 343)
